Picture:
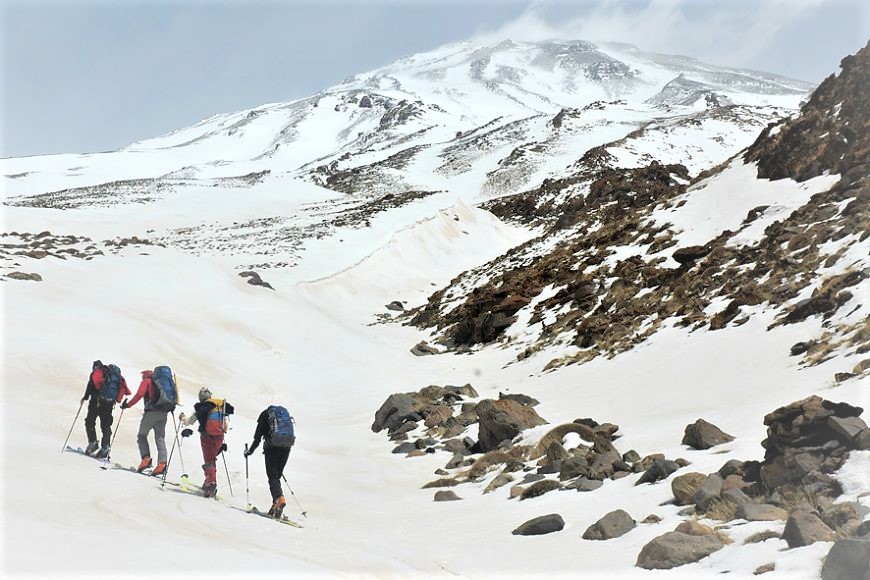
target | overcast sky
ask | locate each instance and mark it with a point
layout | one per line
(82, 76)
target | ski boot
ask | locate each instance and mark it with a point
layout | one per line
(92, 448)
(277, 508)
(103, 453)
(145, 464)
(209, 490)
(161, 467)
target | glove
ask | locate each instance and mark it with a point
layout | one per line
(124, 404)
(223, 447)
(182, 418)
(186, 432)
(84, 399)
(248, 452)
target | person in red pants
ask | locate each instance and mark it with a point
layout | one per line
(211, 413)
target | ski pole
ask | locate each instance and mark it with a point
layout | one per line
(112, 442)
(180, 456)
(169, 461)
(230, 483)
(82, 404)
(304, 513)
(247, 485)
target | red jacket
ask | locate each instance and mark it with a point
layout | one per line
(147, 389)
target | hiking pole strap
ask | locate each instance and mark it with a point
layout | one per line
(68, 435)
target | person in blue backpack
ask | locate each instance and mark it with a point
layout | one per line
(158, 389)
(275, 425)
(106, 386)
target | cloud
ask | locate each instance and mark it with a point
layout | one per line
(732, 33)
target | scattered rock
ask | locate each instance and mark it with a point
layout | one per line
(848, 560)
(651, 519)
(24, 276)
(676, 549)
(612, 525)
(704, 435)
(660, 469)
(686, 486)
(446, 495)
(422, 348)
(765, 568)
(540, 525)
(804, 528)
(254, 279)
(540, 488)
(761, 512)
(503, 420)
(395, 306)
(499, 481)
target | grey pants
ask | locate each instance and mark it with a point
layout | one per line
(155, 420)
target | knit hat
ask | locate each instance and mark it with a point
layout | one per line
(97, 364)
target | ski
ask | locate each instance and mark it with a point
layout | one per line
(282, 520)
(81, 451)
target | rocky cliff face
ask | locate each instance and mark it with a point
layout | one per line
(602, 276)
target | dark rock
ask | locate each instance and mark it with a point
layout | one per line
(465, 390)
(446, 495)
(631, 456)
(584, 484)
(539, 488)
(540, 525)
(396, 410)
(848, 560)
(406, 447)
(676, 549)
(646, 462)
(862, 440)
(24, 276)
(255, 280)
(804, 528)
(691, 253)
(503, 420)
(651, 519)
(574, 467)
(519, 398)
(736, 496)
(612, 525)
(396, 306)
(732, 467)
(551, 467)
(704, 435)
(660, 469)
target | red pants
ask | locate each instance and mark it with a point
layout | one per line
(211, 446)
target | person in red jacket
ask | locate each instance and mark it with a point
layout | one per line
(152, 420)
(100, 405)
(211, 413)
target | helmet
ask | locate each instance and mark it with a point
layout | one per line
(204, 394)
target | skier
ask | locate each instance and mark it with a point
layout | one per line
(212, 415)
(276, 426)
(106, 386)
(157, 407)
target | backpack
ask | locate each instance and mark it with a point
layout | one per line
(167, 390)
(216, 423)
(108, 390)
(281, 432)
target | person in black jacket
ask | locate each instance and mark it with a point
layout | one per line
(100, 407)
(276, 451)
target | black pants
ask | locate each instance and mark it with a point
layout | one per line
(97, 407)
(276, 459)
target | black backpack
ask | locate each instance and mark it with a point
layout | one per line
(281, 432)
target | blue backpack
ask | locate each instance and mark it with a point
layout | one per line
(111, 383)
(167, 390)
(281, 432)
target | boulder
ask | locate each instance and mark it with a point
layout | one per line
(395, 306)
(24, 276)
(422, 348)
(497, 482)
(676, 549)
(761, 512)
(540, 525)
(862, 440)
(685, 486)
(503, 420)
(446, 495)
(804, 528)
(689, 254)
(848, 560)
(847, 427)
(584, 484)
(660, 469)
(709, 491)
(254, 279)
(704, 435)
(612, 525)
(574, 467)
(436, 415)
(398, 408)
(465, 390)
